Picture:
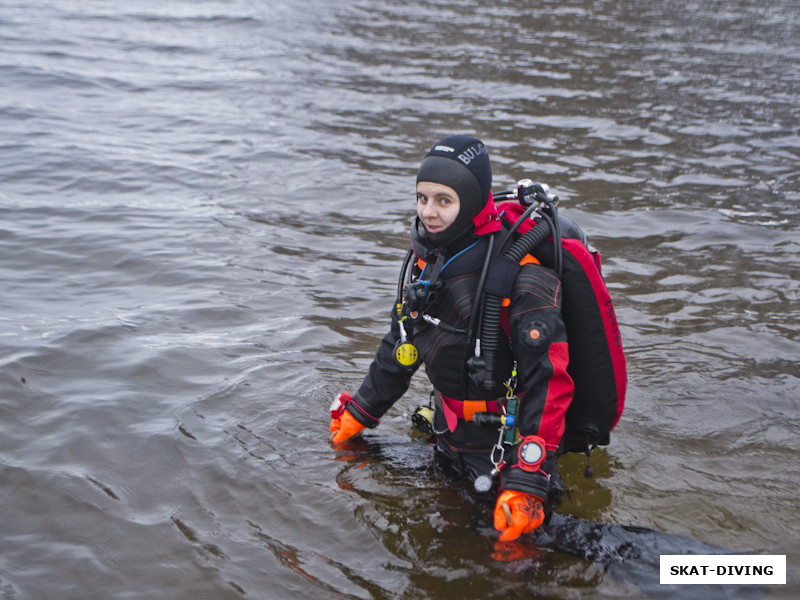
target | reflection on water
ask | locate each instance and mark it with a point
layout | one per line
(204, 209)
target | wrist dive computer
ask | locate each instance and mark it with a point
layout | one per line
(531, 453)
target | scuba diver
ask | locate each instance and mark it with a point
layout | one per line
(481, 304)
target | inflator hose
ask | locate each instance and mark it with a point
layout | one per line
(493, 304)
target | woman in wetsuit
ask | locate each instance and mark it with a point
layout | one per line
(455, 234)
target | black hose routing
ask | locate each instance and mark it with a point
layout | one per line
(482, 367)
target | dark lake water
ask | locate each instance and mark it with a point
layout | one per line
(203, 210)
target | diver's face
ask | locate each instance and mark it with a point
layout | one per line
(437, 206)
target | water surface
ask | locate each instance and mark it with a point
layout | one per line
(203, 210)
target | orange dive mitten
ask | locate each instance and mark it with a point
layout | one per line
(343, 424)
(516, 513)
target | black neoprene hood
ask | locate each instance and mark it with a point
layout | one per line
(461, 163)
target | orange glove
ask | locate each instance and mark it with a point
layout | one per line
(516, 513)
(345, 427)
(343, 424)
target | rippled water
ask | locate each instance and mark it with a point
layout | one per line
(203, 209)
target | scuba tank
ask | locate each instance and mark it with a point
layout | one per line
(596, 357)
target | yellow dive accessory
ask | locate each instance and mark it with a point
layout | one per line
(405, 353)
